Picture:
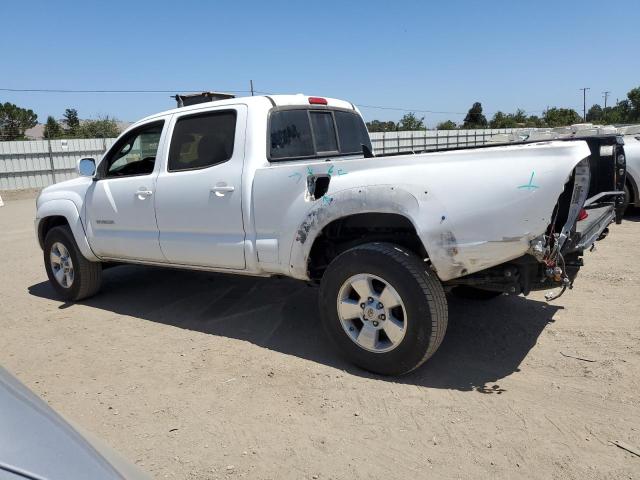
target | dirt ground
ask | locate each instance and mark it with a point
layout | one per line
(199, 376)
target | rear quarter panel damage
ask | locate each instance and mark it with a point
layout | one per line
(472, 209)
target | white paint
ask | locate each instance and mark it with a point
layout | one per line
(472, 209)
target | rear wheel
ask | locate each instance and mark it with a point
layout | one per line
(384, 310)
(72, 276)
(627, 198)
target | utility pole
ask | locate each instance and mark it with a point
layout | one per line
(251, 84)
(584, 103)
(605, 95)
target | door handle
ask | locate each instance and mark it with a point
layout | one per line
(143, 193)
(220, 190)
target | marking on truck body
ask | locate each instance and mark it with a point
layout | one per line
(530, 185)
(297, 175)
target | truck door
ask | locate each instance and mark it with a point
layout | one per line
(120, 213)
(199, 190)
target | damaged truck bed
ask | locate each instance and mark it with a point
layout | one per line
(384, 237)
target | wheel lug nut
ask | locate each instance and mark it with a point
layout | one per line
(380, 305)
(375, 323)
(362, 305)
(370, 300)
(382, 316)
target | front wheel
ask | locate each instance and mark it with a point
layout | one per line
(383, 308)
(72, 276)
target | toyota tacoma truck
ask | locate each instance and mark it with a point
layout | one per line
(288, 186)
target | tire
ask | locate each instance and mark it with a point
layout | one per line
(472, 293)
(83, 277)
(627, 199)
(419, 322)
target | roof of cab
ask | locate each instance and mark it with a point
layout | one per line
(278, 100)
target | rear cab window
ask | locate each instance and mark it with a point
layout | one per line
(299, 133)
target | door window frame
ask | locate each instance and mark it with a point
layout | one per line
(202, 114)
(104, 162)
(239, 140)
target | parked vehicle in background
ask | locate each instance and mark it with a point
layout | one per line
(287, 185)
(36, 443)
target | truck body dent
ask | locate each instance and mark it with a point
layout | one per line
(471, 209)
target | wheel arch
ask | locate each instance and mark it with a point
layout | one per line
(63, 212)
(633, 189)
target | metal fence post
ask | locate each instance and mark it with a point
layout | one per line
(53, 170)
(384, 143)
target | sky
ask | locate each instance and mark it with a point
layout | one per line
(412, 55)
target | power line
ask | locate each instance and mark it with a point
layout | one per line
(186, 90)
(56, 90)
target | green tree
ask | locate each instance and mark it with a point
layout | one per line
(475, 118)
(15, 120)
(595, 114)
(52, 129)
(535, 122)
(561, 117)
(72, 122)
(378, 126)
(102, 128)
(500, 120)
(634, 101)
(410, 122)
(446, 125)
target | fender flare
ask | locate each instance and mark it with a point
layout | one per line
(364, 199)
(634, 189)
(67, 209)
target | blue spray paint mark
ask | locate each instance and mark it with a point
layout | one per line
(309, 171)
(530, 185)
(326, 200)
(298, 175)
(330, 171)
(341, 172)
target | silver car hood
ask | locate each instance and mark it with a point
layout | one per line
(37, 443)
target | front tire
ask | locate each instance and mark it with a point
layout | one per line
(72, 276)
(383, 309)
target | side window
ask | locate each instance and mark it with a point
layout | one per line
(324, 131)
(291, 135)
(203, 140)
(136, 153)
(352, 131)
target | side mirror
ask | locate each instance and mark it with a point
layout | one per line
(87, 167)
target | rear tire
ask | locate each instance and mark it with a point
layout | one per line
(72, 276)
(408, 330)
(627, 199)
(472, 293)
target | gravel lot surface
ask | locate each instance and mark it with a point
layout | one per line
(199, 376)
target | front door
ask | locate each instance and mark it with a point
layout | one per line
(120, 211)
(199, 190)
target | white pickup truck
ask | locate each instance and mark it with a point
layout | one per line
(287, 185)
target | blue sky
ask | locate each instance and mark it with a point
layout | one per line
(437, 56)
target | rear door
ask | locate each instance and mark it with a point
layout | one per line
(199, 190)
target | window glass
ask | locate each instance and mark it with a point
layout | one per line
(324, 132)
(136, 153)
(352, 131)
(200, 141)
(291, 134)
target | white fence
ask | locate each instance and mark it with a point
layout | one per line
(38, 163)
(417, 141)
